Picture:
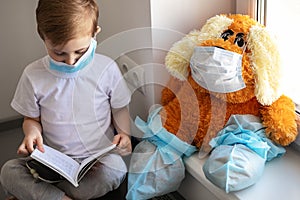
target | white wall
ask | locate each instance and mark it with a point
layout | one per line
(117, 18)
(140, 29)
(19, 45)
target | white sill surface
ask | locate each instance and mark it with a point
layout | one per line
(280, 180)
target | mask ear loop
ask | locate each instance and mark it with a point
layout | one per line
(96, 33)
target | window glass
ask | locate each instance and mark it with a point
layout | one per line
(283, 19)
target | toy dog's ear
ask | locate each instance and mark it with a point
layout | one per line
(178, 58)
(266, 64)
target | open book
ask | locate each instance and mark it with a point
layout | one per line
(67, 167)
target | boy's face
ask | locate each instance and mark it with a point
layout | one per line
(71, 51)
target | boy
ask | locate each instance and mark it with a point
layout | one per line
(73, 100)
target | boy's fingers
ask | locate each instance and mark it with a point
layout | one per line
(39, 144)
(29, 147)
(22, 150)
(116, 139)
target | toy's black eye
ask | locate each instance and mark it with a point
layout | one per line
(227, 34)
(239, 40)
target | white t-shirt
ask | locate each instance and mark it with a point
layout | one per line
(75, 108)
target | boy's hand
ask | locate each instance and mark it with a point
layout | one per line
(28, 144)
(123, 143)
(33, 136)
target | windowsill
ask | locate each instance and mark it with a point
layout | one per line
(281, 179)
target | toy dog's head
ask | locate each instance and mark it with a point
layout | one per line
(242, 35)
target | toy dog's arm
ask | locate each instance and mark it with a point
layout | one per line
(280, 121)
(170, 91)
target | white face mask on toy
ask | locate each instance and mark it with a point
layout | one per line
(217, 70)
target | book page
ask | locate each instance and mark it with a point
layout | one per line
(57, 161)
(90, 161)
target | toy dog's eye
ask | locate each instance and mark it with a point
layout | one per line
(227, 34)
(239, 40)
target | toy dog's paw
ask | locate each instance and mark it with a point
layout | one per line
(283, 138)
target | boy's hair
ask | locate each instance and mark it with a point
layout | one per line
(61, 20)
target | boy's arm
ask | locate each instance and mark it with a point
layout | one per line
(121, 121)
(32, 129)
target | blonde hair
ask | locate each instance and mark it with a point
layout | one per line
(61, 20)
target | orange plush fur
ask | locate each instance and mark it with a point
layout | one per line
(196, 115)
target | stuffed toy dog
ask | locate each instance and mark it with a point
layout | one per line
(223, 98)
(197, 102)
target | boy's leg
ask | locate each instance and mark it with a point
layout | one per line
(17, 180)
(105, 176)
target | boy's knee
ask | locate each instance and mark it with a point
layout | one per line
(114, 178)
(6, 169)
(115, 172)
(7, 175)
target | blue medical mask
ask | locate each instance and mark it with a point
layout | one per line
(83, 61)
(217, 70)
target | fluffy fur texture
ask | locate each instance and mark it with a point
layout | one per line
(179, 56)
(195, 114)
